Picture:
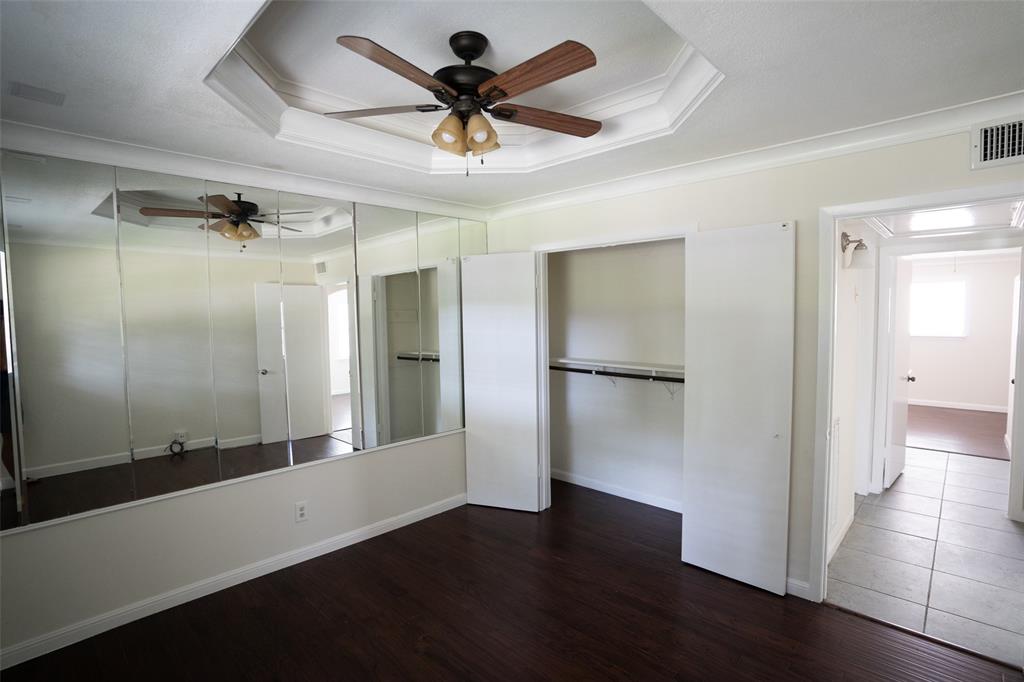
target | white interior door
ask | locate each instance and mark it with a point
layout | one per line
(502, 365)
(901, 373)
(270, 361)
(307, 358)
(739, 392)
(1013, 363)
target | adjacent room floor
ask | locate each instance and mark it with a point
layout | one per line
(591, 589)
(935, 553)
(968, 432)
(56, 496)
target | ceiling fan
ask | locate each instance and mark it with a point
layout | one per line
(469, 91)
(234, 218)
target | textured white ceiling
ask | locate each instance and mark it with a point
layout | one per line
(133, 72)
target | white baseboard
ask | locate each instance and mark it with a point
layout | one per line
(140, 453)
(77, 465)
(618, 491)
(957, 406)
(837, 539)
(161, 450)
(76, 632)
(800, 588)
(241, 441)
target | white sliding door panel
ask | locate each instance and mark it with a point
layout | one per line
(737, 420)
(902, 374)
(270, 358)
(306, 353)
(501, 369)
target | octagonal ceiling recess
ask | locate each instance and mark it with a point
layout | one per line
(287, 69)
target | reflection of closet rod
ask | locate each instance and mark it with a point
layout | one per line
(624, 375)
(419, 357)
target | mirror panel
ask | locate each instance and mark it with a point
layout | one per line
(389, 317)
(248, 351)
(318, 256)
(441, 326)
(66, 301)
(172, 353)
(167, 331)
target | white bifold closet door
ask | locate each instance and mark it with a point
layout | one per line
(504, 370)
(738, 413)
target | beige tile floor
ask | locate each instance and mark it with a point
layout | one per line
(936, 553)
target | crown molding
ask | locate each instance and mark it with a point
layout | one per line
(937, 123)
(27, 138)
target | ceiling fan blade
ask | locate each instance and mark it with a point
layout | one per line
(560, 61)
(381, 111)
(548, 120)
(177, 213)
(263, 215)
(391, 61)
(271, 222)
(222, 204)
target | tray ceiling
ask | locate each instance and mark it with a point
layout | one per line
(287, 69)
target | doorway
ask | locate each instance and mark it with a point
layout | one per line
(339, 357)
(919, 508)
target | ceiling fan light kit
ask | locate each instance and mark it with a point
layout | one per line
(469, 91)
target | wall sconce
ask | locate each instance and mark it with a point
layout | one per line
(850, 248)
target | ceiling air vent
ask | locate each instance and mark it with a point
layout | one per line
(997, 143)
(26, 91)
(321, 267)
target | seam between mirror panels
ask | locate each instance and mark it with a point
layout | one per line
(419, 327)
(124, 331)
(354, 320)
(17, 426)
(209, 318)
(281, 329)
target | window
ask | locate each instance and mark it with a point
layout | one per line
(938, 308)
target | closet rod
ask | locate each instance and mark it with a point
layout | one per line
(624, 375)
(413, 356)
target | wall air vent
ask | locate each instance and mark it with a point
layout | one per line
(26, 91)
(997, 143)
(321, 267)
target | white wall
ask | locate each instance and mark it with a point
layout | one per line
(971, 372)
(852, 383)
(622, 303)
(794, 192)
(124, 563)
(67, 314)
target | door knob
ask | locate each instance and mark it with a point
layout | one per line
(264, 372)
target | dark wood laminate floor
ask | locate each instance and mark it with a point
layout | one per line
(967, 432)
(56, 496)
(591, 589)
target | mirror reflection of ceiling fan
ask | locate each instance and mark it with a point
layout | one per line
(234, 219)
(469, 91)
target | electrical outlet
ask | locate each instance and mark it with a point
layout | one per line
(301, 514)
(181, 435)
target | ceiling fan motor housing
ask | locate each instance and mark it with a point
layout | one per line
(465, 78)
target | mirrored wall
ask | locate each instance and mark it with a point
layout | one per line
(163, 332)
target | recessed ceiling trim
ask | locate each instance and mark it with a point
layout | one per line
(257, 91)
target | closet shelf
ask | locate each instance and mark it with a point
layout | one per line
(628, 370)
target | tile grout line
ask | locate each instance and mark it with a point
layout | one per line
(935, 547)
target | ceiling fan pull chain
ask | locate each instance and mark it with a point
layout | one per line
(467, 165)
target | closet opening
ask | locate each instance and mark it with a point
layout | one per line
(616, 359)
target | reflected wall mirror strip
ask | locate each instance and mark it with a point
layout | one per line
(164, 332)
